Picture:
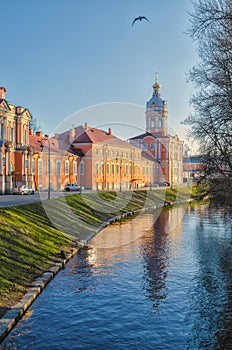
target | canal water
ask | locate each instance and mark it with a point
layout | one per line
(156, 282)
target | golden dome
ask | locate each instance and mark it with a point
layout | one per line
(156, 86)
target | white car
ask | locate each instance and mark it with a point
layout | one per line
(72, 187)
(24, 189)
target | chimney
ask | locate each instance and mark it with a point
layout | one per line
(86, 126)
(71, 135)
(2, 93)
(31, 132)
(39, 133)
(110, 131)
(19, 109)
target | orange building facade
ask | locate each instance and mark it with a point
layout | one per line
(16, 153)
(107, 162)
(22, 161)
(92, 158)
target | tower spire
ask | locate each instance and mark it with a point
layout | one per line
(156, 86)
(156, 77)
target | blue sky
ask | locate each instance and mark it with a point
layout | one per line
(59, 57)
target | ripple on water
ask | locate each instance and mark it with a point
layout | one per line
(166, 289)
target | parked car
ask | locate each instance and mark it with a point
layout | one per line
(24, 189)
(161, 184)
(72, 187)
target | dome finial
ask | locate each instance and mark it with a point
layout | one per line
(156, 85)
(156, 77)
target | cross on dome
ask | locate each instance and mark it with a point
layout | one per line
(156, 85)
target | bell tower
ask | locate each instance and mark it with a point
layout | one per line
(156, 111)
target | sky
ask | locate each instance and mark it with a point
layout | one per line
(76, 61)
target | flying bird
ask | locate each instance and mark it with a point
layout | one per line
(140, 18)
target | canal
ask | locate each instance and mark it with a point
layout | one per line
(156, 282)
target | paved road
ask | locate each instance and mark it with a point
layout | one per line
(9, 200)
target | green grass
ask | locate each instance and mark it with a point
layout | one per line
(30, 241)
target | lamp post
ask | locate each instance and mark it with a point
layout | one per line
(46, 139)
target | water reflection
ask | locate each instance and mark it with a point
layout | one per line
(212, 301)
(156, 253)
(167, 285)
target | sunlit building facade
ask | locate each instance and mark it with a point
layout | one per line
(166, 149)
(15, 150)
(107, 162)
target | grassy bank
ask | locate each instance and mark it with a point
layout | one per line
(32, 236)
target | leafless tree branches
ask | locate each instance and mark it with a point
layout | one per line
(211, 123)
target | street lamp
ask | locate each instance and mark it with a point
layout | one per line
(46, 139)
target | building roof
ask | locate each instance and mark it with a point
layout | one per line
(148, 156)
(55, 145)
(142, 136)
(157, 135)
(89, 135)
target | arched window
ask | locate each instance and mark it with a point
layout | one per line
(32, 165)
(82, 167)
(66, 167)
(74, 167)
(40, 166)
(58, 167)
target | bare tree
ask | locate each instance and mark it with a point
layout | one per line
(211, 123)
(34, 125)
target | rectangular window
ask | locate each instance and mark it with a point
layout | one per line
(58, 167)
(74, 167)
(11, 134)
(33, 165)
(2, 132)
(25, 137)
(126, 169)
(82, 168)
(112, 169)
(66, 167)
(40, 167)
